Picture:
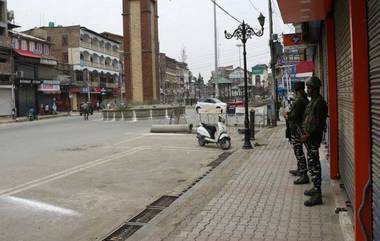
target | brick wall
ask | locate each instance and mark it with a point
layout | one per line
(55, 36)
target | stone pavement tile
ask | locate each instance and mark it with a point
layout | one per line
(261, 203)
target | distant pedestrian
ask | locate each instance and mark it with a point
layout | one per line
(314, 125)
(47, 109)
(295, 120)
(13, 113)
(54, 108)
(86, 110)
(98, 105)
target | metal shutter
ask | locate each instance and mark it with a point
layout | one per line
(26, 99)
(374, 78)
(344, 86)
(5, 101)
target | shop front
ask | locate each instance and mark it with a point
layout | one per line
(26, 92)
(47, 91)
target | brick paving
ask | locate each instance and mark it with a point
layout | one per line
(261, 203)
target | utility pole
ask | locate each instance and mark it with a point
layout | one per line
(272, 66)
(239, 46)
(216, 53)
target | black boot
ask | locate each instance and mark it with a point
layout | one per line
(304, 179)
(315, 199)
(295, 172)
(312, 191)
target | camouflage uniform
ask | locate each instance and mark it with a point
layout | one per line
(295, 119)
(314, 124)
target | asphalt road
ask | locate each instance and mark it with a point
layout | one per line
(70, 179)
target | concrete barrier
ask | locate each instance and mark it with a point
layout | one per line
(144, 113)
(172, 128)
(159, 113)
(128, 114)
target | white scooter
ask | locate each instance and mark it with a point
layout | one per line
(214, 134)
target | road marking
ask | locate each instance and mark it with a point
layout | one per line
(70, 171)
(40, 206)
(128, 140)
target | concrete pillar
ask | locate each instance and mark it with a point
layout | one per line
(141, 50)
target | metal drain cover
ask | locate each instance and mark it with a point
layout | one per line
(220, 159)
(163, 202)
(123, 232)
(145, 216)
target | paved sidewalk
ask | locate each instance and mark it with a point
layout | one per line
(261, 203)
(6, 120)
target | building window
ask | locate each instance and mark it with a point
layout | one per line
(39, 48)
(48, 39)
(15, 43)
(46, 49)
(65, 40)
(65, 57)
(24, 45)
(32, 46)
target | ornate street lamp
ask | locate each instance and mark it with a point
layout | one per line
(243, 33)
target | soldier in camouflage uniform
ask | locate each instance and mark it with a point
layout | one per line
(295, 120)
(314, 125)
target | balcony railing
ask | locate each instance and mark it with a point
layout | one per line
(97, 48)
(99, 66)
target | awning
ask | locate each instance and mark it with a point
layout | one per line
(298, 11)
(28, 54)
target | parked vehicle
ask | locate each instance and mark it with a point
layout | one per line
(81, 109)
(210, 103)
(31, 114)
(214, 134)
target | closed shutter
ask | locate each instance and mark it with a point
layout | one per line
(374, 78)
(344, 88)
(26, 99)
(5, 101)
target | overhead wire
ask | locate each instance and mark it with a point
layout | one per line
(225, 11)
(254, 7)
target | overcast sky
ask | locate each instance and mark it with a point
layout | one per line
(182, 23)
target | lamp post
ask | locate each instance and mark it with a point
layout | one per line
(243, 33)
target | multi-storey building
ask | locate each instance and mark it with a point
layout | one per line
(36, 80)
(120, 40)
(94, 59)
(6, 87)
(168, 79)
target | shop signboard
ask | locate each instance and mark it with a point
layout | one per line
(257, 71)
(293, 40)
(49, 88)
(51, 82)
(30, 81)
(48, 61)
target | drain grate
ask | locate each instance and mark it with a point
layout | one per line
(123, 232)
(146, 215)
(220, 159)
(163, 202)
